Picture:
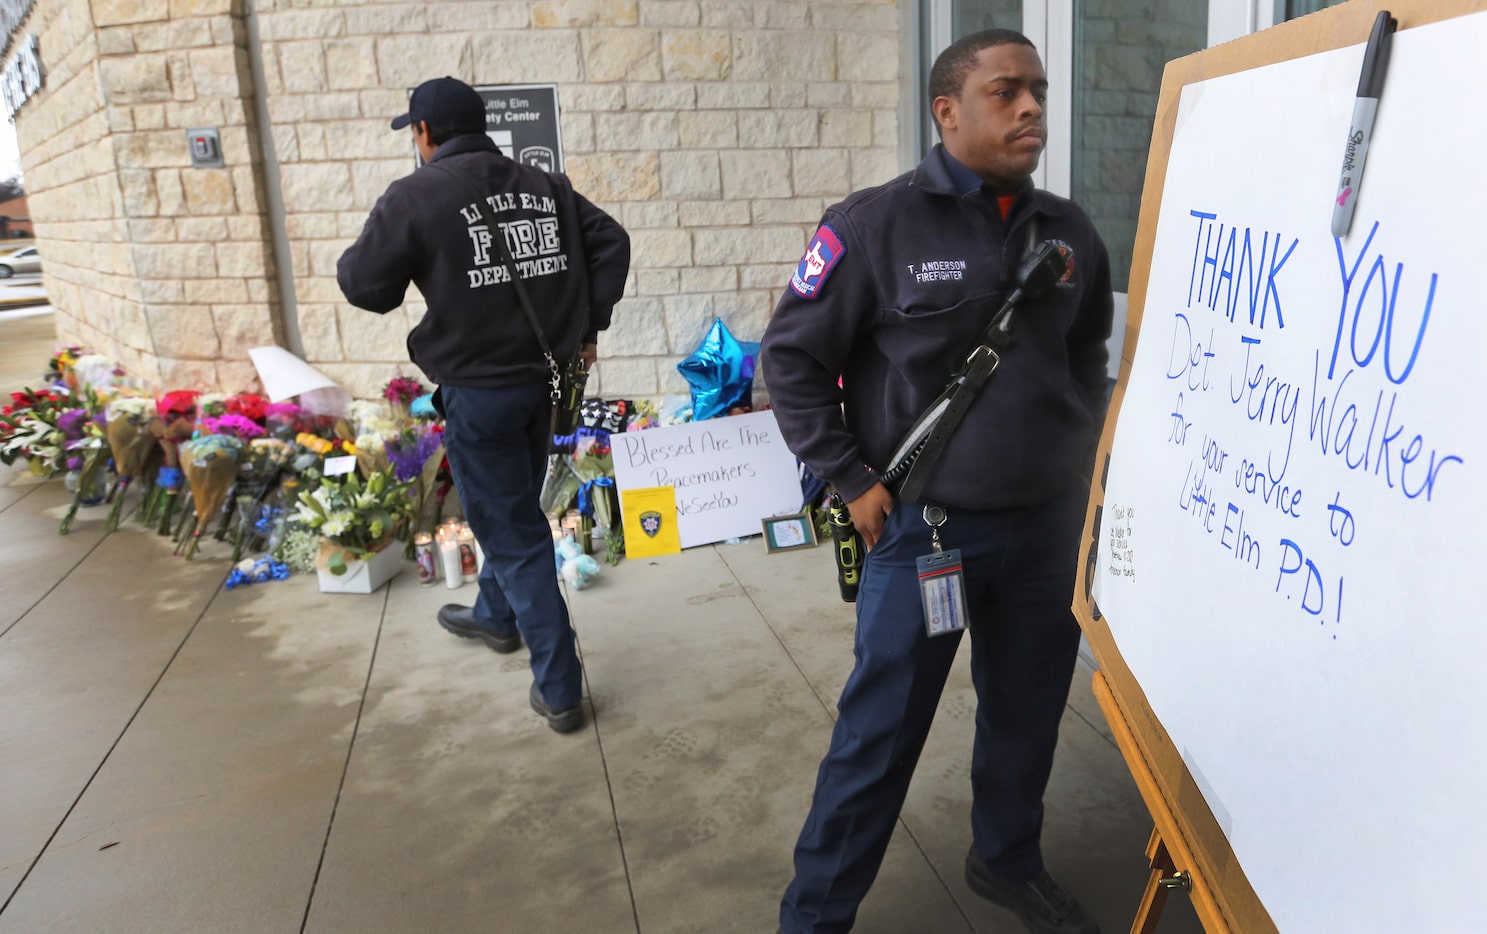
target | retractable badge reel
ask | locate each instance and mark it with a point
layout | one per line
(942, 587)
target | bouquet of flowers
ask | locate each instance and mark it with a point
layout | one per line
(280, 419)
(312, 451)
(60, 363)
(86, 452)
(596, 497)
(355, 518)
(211, 404)
(90, 373)
(371, 454)
(259, 467)
(210, 464)
(177, 422)
(132, 443)
(400, 392)
(28, 428)
(416, 456)
(249, 406)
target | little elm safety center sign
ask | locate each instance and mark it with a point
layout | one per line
(523, 120)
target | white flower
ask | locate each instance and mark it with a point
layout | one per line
(304, 515)
(132, 406)
(337, 523)
(322, 496)
(371, 442)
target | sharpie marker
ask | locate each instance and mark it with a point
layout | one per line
(1370, 86)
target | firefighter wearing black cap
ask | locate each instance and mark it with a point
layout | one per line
(477, 345)
(891, 294)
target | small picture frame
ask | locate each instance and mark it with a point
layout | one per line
(788, 533)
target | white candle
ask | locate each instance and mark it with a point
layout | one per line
(449, 559)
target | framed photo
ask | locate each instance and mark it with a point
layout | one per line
(787, 533)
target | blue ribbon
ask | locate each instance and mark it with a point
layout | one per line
(170, 478)
(264, 570)
(586, 496)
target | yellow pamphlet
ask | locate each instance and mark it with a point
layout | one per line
(650, 522)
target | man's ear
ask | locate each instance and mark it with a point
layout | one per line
(946, 112)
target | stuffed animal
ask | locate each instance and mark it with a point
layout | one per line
(576, 567)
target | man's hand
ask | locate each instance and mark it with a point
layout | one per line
(868, 512)
(589, 354)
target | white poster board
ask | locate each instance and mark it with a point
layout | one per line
(729, 473)
(1295, 500)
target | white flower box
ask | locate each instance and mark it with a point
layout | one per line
(363, 575)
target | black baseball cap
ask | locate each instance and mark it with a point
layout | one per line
(446, 104)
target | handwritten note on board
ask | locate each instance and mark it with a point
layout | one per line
(729, 473)
(1289, 560)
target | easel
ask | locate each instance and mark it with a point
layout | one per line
(1188, 848)
(1165, 872)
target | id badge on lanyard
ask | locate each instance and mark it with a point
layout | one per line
(942, 588)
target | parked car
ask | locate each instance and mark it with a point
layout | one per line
(23, 260)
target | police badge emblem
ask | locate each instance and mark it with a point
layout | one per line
(650, 523)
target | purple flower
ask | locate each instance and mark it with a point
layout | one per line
(72, 422)
(408, 456)
(239, 426)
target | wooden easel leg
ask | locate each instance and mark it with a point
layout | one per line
(1154, 897)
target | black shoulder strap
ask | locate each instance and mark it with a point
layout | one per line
(555, 373)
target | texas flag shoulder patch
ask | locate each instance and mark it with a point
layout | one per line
(825, 250)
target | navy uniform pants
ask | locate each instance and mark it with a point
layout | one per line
(497, 442)
(1019, 574)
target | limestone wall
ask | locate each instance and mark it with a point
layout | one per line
(716, 132)
(163, 266)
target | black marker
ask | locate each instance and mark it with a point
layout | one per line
(1370, 86)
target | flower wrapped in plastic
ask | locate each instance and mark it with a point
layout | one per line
(28, 430)
(596, 497)
(61, 362)
(280, 420)
(177, 422)
(88, 455)
(259, 467)
(371, 453)
(91, 373)
(370, 418)
(210, 464)
(415, 456)
(211, 404)
(400, 392)
(355, 518)
(131, 443)
(248, 405)
(312, 451)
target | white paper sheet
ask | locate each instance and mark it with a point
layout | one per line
(1291, 543)
(284, 375)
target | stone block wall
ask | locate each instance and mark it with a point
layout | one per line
(165, 267)
(716, 132)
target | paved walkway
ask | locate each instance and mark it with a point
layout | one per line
(177, 757)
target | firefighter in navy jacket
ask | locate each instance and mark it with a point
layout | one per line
(894, 288)
(478, 345)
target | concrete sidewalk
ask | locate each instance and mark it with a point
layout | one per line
(177, 757)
